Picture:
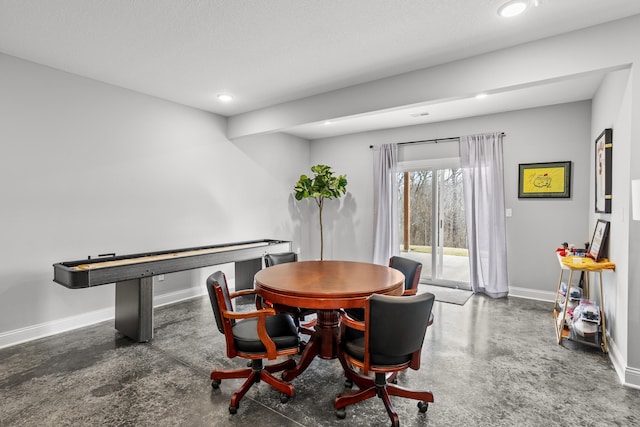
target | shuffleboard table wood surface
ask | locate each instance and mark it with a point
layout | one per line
(165, 256)
(133, 276)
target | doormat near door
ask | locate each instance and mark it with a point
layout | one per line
(448, 295)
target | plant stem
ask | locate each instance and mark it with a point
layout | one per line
(320, 201)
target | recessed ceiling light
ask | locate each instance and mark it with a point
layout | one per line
(512, 8)
(327, 122)
(225, 97)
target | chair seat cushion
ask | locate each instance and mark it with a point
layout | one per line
(355, 348)
(280, 328)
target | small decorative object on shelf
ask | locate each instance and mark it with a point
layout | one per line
(598, 245)
(585, 320)
(563, 250)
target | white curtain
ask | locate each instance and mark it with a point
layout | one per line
(385, 203)
(483, 183)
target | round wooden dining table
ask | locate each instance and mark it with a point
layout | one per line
(326, 286)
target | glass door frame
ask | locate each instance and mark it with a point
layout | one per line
(437, 243)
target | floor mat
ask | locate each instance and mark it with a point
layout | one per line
(448, 295)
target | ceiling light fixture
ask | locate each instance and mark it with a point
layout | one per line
(481, 95)
(512, 8)
(224, 97)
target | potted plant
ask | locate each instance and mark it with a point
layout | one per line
(323, 185)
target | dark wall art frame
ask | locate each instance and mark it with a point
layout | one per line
(544, 180)
(603, 153)
(598, 245)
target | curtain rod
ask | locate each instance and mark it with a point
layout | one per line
(432, 141)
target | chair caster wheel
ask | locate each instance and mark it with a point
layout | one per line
(233, 410)
(341, 413)
(215, 383)
(348, 383)
(423, 406)
(284, 398)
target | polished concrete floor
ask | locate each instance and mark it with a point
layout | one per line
(488, 363)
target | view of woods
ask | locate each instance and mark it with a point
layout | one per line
(449, 196)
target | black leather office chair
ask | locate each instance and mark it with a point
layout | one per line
(255, 335)
(386, 347)
(298, 313)
(280, 258)
(411, 270)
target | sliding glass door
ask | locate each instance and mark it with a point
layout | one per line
(432, 223)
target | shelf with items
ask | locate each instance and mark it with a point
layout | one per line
(587, 326)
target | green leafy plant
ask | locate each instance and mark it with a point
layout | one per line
(323, 185)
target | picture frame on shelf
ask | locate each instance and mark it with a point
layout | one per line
(544, 180)
(598, 245)
(603, 159)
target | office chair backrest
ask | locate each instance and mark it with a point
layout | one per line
(410, 268)
(281, 258)
(215, 281)
(397, 326)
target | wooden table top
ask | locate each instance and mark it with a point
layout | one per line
(327, 284)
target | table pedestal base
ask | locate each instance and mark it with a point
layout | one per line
(323, 343)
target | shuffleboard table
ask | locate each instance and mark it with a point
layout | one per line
(133, 276)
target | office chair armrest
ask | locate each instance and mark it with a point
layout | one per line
(351, 322)
(262, 326)
(248, 292)
(249, 314)
(242, 293)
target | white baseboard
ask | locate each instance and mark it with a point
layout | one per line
(629, 377)
(548, 296)
(616, 360)
(632, 377)
(18, 336)
(178, 296)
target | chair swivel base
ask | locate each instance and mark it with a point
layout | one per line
(369, 388)
(253, 375)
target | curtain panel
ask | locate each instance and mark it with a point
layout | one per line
(483, 184)
(385, 201)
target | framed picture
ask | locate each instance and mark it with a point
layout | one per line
(541, 180)
(604, 147)
(598, 245)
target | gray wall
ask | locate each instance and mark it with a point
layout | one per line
(88, 168)
(537, 227)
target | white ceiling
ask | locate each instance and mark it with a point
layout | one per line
(266, 52)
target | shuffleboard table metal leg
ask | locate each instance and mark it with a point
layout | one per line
(134, 308)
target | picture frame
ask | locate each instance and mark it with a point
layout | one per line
(544, 180)
(603, 168)
(598, 245)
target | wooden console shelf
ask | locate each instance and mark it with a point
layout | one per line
(586, 265)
